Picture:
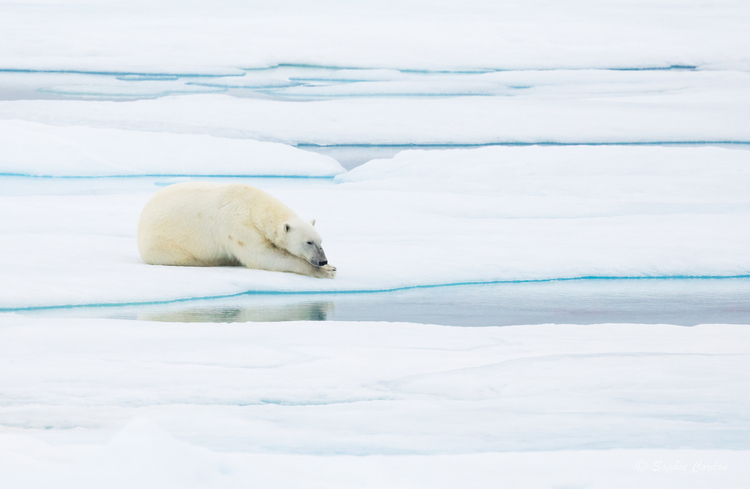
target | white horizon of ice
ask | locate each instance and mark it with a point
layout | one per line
(222, 37)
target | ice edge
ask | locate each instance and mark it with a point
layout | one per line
(520, 143)
(372, 291)
(163, 175)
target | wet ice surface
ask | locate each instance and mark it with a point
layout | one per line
(352, 156)
(556, 106)
(685, 302)
(60, 85)
(300, 82)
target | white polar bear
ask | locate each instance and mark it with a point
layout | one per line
(208, 224)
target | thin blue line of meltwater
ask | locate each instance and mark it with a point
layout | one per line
(370, 291)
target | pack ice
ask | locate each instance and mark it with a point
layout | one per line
(501, 142)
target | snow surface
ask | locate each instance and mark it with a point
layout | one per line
(42, 150)
(126, 404)
(421, 218)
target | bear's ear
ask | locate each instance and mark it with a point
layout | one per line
(312, 221)
(287, 227)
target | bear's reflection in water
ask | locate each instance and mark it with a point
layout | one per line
(302, 311)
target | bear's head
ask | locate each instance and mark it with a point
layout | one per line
(300, 239)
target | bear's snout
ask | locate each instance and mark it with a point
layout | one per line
(319, 258)
(318, 262)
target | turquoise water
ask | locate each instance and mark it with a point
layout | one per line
(685, 302)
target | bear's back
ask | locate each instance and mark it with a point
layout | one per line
(188, 223)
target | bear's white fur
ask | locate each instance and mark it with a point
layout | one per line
(208, 224)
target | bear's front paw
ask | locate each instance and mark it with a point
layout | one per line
(326, 271)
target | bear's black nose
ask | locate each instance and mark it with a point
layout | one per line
(321, 263)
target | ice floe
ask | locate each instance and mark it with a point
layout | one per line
(720, 116)
(569, 106)
(422, 218)
(155, 404)
(34, 149)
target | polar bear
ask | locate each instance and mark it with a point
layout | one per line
(209, 224)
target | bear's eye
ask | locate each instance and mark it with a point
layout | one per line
(309, 242)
